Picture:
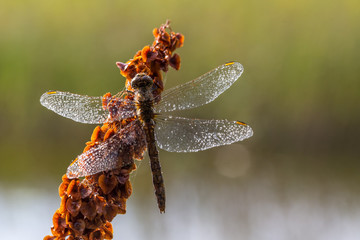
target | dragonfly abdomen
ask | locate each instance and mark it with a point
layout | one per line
(146, 116)
(158, 180)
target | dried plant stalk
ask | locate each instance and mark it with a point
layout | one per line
(88, 206)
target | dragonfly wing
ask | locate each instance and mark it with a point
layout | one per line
(79, 108)
(118, 150)
(101, 157)
(176, 134)
(200, 91)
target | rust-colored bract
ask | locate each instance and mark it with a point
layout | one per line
(135, 120)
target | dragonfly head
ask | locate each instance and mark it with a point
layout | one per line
(141, 82)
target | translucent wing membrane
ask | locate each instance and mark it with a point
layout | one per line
(122, 109)
(101, 157)
(201, 90)
(120, 149)
(79, 108)
(176, 134)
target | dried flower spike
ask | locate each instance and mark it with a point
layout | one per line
(88, 206)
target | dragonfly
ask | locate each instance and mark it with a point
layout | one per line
(170, 133)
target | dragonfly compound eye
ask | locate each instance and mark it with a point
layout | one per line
(141, 81)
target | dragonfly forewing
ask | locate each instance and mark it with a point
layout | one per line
(177, 134)
(79, 108)
(200, 91)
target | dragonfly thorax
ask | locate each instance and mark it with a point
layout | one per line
(142, 85)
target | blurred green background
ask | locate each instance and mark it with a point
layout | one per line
(296, 178)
